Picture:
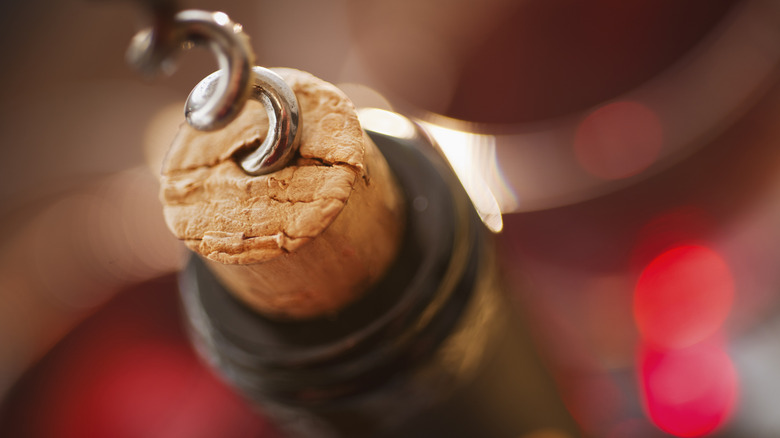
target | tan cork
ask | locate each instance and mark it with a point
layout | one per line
(301, 242)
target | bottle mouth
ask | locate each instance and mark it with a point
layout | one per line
(403, 317)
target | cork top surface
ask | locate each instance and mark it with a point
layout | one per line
(231, 217)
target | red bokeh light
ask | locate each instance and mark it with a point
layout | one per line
(128, 372)
(618, 140)
(688, 381)
(688, 392)
(683, 296)
(145, 388)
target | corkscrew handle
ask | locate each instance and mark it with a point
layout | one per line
(218, 98)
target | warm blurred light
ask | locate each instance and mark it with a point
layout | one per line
(221, 18)
(159, 134)
(74, 254)
(89, 244)
(149, 248)
(470, 156)
(618, 140)
(473, 158)
(683, 296)
(688, 392)
(387, 123)
(365, 97)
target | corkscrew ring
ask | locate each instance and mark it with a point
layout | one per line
(216, 100)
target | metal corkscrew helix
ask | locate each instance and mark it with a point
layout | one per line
(217, 99)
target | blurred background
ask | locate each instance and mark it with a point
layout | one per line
(632, 148)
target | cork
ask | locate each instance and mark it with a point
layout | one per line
(299, 243)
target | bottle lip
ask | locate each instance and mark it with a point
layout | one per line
(439, 250)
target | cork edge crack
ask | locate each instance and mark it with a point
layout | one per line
(230, 217)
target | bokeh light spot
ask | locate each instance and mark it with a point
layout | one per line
(688, 392)
(618, 140)
(683, 296)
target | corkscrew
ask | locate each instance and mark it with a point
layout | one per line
(219, 98)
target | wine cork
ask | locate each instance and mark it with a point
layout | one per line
(298, 243)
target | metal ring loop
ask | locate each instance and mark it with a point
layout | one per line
(282, 140)
(280, 103)
(152, 50)
(218, 98)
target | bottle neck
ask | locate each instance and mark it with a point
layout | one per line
(399, 321)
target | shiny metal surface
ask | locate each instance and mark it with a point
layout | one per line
(152, 51)
(284, 123)
(218, 98)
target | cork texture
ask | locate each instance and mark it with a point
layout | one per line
(300, 242)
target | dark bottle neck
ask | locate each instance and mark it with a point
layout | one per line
(399, 321)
